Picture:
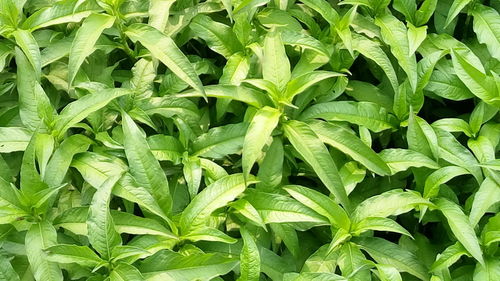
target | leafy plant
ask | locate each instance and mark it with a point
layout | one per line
(249, 140)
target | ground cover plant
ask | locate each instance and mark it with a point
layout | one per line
(249, 140)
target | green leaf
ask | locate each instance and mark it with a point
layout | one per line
(168, 265)
(388, 273)
(101, 229)
(218, 36)
(421, 137)
(486, 196)
(439, 177)
(321, 204)
(473, 76)
(214, 196)
(209, 234)
(159, 13)
(258, 133)
(486, 26)
(394, 34)
(39, 237)
(125, 272)
(60, 161)
(389, 203)
(399, 159)
(229, 92)
(449, 256)
(314, 152)
(13, 139)
(7, 272)
(379, 224)
(416, 35)
(368, 114)
(270, 172)
(294, 38)
(372, 50)
(301, 83)
(85, 39)
(66, 253)
(385, 252)
(283, 209)
(455, 9)
(27, 43)
(58, 13)
(143, 166)
(461, 227)
(324, 9)
(168, 53)
(276, 68)
(220, 141)
(351, 145)
(489, 271)
(80, 109)
(452, 151)
(129, 223)
(249, 257)
(31, 93)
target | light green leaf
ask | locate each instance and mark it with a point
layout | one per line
(379, 224)
(61, 159)
(399, 159)
(385, 252)
(486, 196)
(101, 230)
(168, 53)
(85, 39)
(159, 13)
(249, 258)
(143, 166)
(372, 50)
(461, 227)
(258, 134)
(368, 114)
(449, 256)
(168, 265)
(283, 209)
(39, 237)
(60, 12)
(389, 203)
(321, 204)
(229, 92)
(314, 152)
(416, 35)
(421, 137)
(306, 80)
(125, 272)
(275, 67)
(394, 34)
(451, 150)
(13, 139)
(218, 36)
(220, 141)
(81, 108)
(214, 196)
(487, 28)
(439, 177)
(473, 76)
(350, 144)
(27, 43)
(7, 272)
(67, 253)
(455, 9)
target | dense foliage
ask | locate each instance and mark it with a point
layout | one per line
(249, 140)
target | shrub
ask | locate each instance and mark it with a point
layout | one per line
(249, 140)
